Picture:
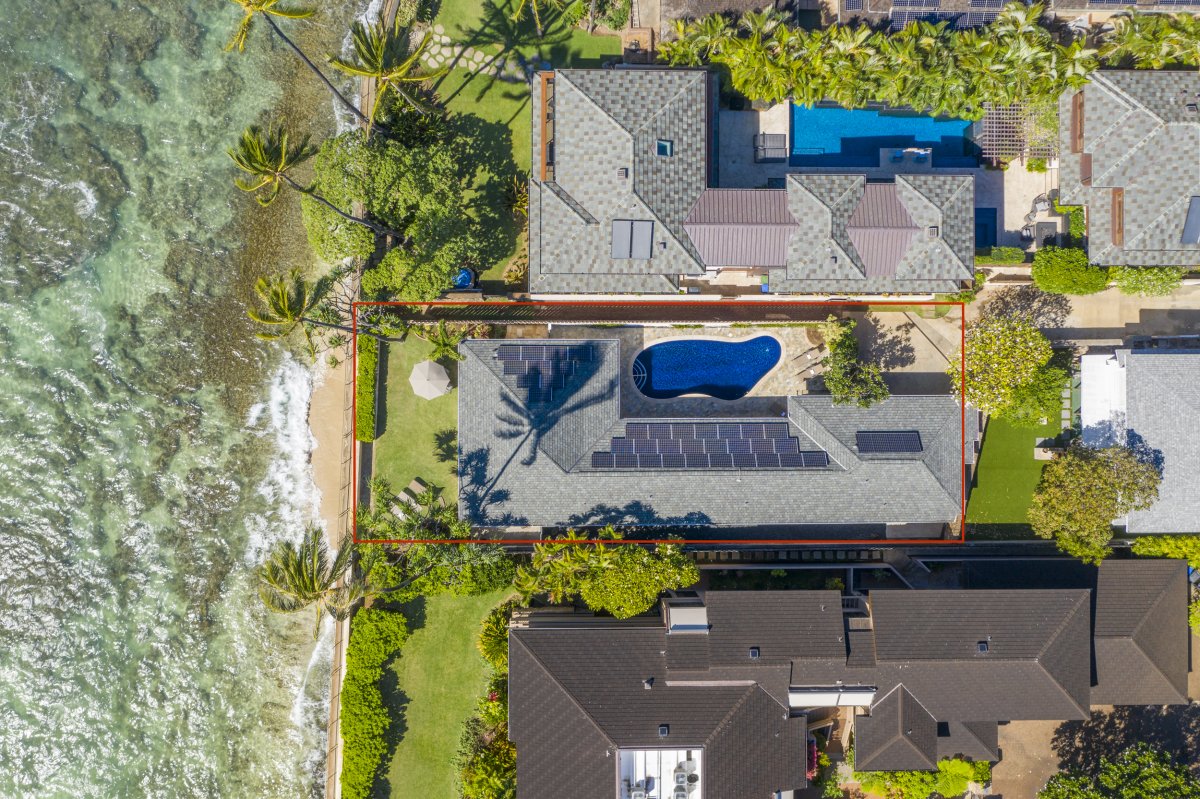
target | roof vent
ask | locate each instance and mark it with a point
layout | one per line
(664, 730)
(932, 231)
(1192, 108)
(982, 647)
(623, 173)
(648, 683)
(754, 653)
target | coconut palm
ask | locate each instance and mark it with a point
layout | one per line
(286, 301)
(1075, 62)
(536, 7)
(269, 10)
(1016, 19)
(295, 577)
(444, 340)
(383, 55)
(1186, 39)
(268, 157)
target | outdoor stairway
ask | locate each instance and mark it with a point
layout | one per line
(914, 573)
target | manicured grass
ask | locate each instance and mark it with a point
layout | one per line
(1005, 479)
(439, 677)
(405, 448)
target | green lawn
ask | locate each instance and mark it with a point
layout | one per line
(439, 676)
(1005, 479)
(406, 448)
(494, 114)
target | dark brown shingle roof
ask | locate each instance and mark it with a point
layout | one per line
(899, 735)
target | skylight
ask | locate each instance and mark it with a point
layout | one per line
(632, 239)
(665, 148)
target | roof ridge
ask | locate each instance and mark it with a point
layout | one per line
(1154, 223)
(1084, 595)
(592, 100)
(669, 102)
(750, 689)
(570, 697)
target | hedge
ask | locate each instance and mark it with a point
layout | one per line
(1000, 255)
(375, 637)
(1077, 227)
(1065, 270)
(364, 388)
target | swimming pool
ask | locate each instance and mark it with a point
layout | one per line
(723, 369)
(834, 136)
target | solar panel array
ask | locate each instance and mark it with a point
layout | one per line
(957, 19)
(1177, 2)
(888, 441)
(707, 445)
(542, 369)
(853, 5)
(997, 4)
(916, 3)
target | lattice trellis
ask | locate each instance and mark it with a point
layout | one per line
(1024, 130)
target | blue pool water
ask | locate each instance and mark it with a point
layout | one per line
(723, 369)
(826, 136)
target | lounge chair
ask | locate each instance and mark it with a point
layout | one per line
(897, 156)
(921, 157)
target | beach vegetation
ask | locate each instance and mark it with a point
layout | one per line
(376, 636)
(1065, 270)
(297, 576)
(271, 10)
(622, 579)
(1083, 491)
(385, 56)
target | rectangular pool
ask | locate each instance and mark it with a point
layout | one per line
(831, 136)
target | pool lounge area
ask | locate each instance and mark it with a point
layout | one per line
(829, 136)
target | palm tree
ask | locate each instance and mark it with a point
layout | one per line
(444, 340)
(269, 10)
(286, 301)
(383, 56)
(535, 7)
(1144, 39)
(1018, 20)
(268, 157)
(296, 577)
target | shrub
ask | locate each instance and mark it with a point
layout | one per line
(1000, 255)
(1076, 220)
(375, 637)
(1065, 270)
(364, 388)
(493, 637)
(950, 779)
(1186, 547)
(1035, 165)
(1148, 281)
(488, 762)
(850, 380)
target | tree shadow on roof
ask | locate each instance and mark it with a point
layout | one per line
(476, 495)
(635, 512)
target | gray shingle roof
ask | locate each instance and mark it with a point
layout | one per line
(531, 466)
(606, 121)
(1141, 138)
(606, 126)
(1162, 404)
(1140, 631)
(898, 735)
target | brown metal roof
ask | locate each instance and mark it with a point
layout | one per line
(881, 229)
(741, 227)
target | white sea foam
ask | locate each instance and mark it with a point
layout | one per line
(288, 488)
(88, 202)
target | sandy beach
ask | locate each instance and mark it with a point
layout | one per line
(326, 419)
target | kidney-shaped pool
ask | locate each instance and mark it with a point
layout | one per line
(723, 369)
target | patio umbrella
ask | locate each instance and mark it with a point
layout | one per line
(429, 380)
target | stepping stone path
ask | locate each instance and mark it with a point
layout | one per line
(443, 51)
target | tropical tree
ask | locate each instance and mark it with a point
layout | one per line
(268, 157)
(1146, 41)
(383, 56)
(621, 579)
(295, 577)
(445, 340)
(268, 10)
(1083, 491)
(849, 379)
(534, 6)
(287, 301)
(1002, 353)
(1140, 772)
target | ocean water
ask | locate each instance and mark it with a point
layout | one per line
(150, 447)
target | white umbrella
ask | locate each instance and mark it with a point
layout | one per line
(429, 380)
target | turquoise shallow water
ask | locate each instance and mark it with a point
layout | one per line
(150, 447)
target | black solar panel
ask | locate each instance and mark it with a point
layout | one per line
(986, 3)
(541, 369)
(853, 5)
(707, 445)
(888, 440)
(916, 3)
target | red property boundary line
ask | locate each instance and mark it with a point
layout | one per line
(760, 304)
